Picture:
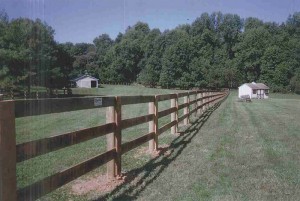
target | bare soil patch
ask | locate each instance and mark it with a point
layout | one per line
(100, 184)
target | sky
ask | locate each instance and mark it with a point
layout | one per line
(83, 20)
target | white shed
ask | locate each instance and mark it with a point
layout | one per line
(254, 90)
(85, 81)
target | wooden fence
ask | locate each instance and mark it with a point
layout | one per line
(11, 154)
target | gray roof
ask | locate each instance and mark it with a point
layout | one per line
(82, 77)
(257, 86)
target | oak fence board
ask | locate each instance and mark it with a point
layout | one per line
(49, 184)
(35, 148)
(127, 146)
(127, 100)
(166, 127)
(31, 107)
(126, 123)
(166, 112)
(162, 97)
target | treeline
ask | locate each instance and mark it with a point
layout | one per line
(216, 50)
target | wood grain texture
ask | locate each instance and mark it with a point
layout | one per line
(127, 100)
(33, 107)
(126, 123)
(167, 126)
(49, 184)
(127, 146)
(8, 183)
(163, 97)
(35, 148)
(166, 112)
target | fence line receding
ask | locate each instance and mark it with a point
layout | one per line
(195, 102)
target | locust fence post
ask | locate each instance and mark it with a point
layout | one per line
(186, 109)
(174, 115)
(118, 135)
(209, 99)
(195, 104)
(153, 125)
(204, 102)
(198, 103)
(113, 114)
(200, 109)
(110, 141)
(8, 181)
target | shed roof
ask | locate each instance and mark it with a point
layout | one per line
(82, 77)
(254, 85)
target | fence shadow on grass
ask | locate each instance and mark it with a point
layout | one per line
(138, 179)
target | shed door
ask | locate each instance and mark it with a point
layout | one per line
(93, 84)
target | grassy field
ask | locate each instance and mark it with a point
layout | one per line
(237, 151)
(242, 151)
(37, 127)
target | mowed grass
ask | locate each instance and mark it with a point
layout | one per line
(37, 127)
(240, 151)
(237, 151)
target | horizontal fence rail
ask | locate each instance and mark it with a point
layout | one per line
(195, 102)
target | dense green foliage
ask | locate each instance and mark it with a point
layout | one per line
(216, 50)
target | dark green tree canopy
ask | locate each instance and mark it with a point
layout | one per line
(215, 50)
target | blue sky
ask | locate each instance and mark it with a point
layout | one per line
(83, 20)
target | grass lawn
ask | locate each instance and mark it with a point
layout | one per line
(239, 151)
(242, 151)
(36, 127)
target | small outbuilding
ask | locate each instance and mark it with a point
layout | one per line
(85, 81)
(254, 90)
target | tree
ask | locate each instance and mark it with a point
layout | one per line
(27, 49)
(176, 61)
(295, 82)
(250, 51)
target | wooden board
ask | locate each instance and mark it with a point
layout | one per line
(166, 127)
(126, 123)
(182, 106)
(49, 184)
(193, 92)
(35, 148)
(8, 183)
(33, 107)
(183, 94)
(194, 110)
(182, 117)
(163, 97)
(127, 100)
(137, 142)
(166, 112)
(193, 101)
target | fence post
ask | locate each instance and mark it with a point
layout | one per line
(195, 104)
(110, 141)
(8, 182)
(174, 115)
(153, 125)
(113, 114)
(204, 101)
(209, 99)
(118, 134)
(199, 103)
(186, 110)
